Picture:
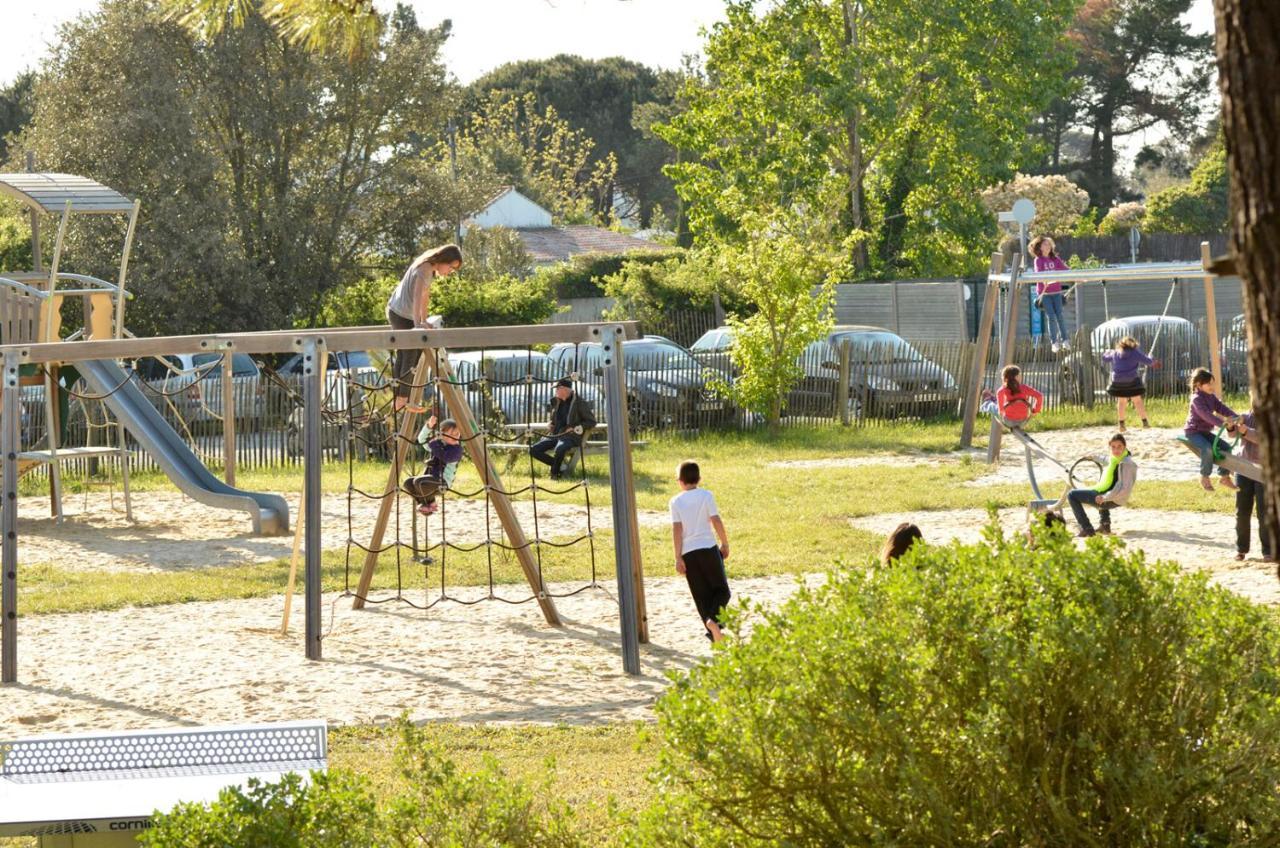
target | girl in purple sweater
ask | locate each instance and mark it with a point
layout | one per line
(1127, 361)
(1207, 414)
(1050, 295)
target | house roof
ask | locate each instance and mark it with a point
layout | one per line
(556, 244)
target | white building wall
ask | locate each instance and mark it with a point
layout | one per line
(514, 211)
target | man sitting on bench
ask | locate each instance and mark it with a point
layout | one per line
(571, 421)
(1117, 483)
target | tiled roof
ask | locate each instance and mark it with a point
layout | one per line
(556, 244)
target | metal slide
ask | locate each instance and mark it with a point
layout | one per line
(269, 513)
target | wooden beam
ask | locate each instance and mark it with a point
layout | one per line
(1211, 317)
(289, 341)
(979, 371)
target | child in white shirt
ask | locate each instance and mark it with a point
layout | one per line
(696, 524)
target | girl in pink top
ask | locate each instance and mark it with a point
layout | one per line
(1050, 295)
(1017, 402)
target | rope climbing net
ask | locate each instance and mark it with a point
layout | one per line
(502, 395)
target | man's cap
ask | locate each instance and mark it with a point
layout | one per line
(564, 381)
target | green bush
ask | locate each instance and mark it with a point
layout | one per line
(463, 302)
(15, 238)
(335, 810)
(1197, 207)
(438, 806)
(648, 291)
(581, 276)
(983, 695)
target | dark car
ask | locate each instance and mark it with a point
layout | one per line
(1235, 356)
(1175, 342)
(666, 386)
(887, 376)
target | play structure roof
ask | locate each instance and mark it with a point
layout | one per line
(50, 193)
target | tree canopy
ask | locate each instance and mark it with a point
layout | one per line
(892, 112)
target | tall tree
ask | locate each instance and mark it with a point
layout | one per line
(887, 109)
(17, 103)
(265, 170)
(599, 97)
(1138, 66)
(1248, 48)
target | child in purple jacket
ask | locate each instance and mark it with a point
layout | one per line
(1050, 296)
(1127, 361)
(1206, 415)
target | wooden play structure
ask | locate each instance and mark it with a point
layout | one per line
(91, 356)
(31, 304)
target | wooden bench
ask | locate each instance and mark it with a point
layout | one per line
(591, 448)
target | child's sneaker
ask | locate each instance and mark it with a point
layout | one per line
(1104, 529)
(1055, 347)
(1066, 345)
(1228, 483)
(1146, 425)
(1121, 427)
(1206, 484)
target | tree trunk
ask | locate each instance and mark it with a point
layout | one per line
(1248, 46)
(853, 131)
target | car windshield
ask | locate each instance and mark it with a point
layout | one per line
(652, 356)
(241, 364)
(355, 359)
(513, 369)
(710, 340)
(878, 346)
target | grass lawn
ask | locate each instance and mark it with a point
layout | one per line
(780, 519)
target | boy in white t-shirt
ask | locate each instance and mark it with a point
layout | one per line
(696, 524)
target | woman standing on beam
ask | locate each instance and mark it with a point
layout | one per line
(408, 307)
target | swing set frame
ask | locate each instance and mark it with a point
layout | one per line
(1012, 282)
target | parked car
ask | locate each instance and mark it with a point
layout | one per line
(665, 384)
(519, 384)
(1179, 348)
(887, 376)
(349, 376)
(1235, 355)
(191, 385)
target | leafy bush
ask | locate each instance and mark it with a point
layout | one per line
(336, 810)
(463, 302)
(647, 291)
(438, 807)
(996, 695)
(1199, 206)
(15, 238)
(1122, 218)
(582, 275)
(1059, 202)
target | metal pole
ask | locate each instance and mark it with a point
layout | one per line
(620, 482)
(228, 417)
(314, 354)
(1006, 352)
(9, 447)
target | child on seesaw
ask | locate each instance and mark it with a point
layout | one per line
(1118, 479)
(1206, 415)
(695, 526)
(1015, 401)
(443, 455)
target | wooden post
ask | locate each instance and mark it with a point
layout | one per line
(1211, 317)
(842, 388)
(983, 343)
(1006, 353)
(52, 318)
(124, 268)
(228, 417)
(293, 563)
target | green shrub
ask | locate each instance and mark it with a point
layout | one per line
(335, 810)
(463, 302)
(648, 291)
(581, 276)
(438, 806)
(1197, 207)
(983, 695)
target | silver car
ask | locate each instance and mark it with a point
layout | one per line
(189, 385)
(517, 385)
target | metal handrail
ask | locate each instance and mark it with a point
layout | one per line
(23, 287)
